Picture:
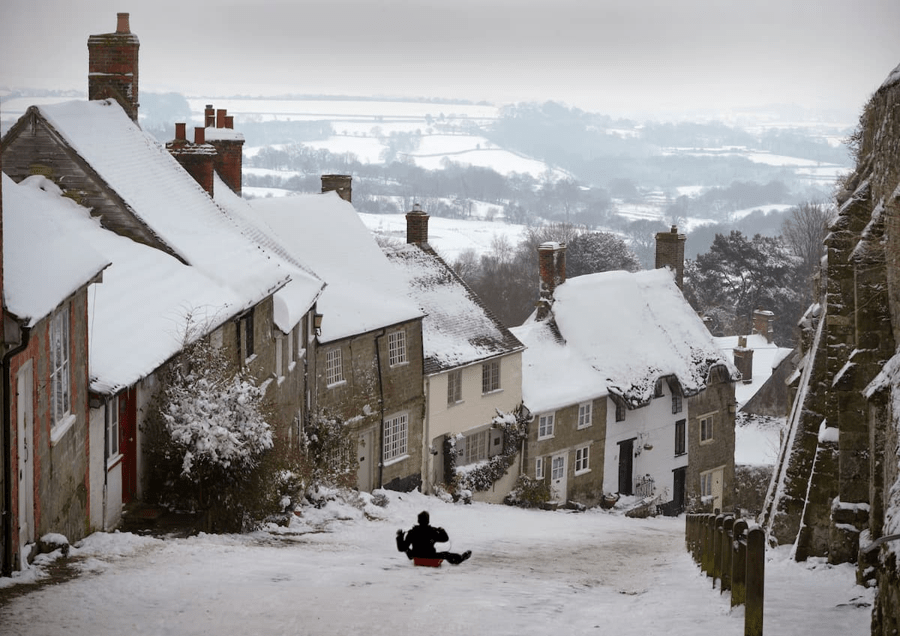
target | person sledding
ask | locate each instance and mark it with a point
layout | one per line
(418, 542)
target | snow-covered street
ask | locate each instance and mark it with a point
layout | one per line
(336, 571)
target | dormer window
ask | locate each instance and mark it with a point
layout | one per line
(658, 389)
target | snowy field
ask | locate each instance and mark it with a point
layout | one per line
(336, 571)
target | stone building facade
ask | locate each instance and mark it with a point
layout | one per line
(835, 487)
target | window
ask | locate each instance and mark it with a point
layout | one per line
(679, 437)
(248, 335)
(476, 447)
(112, 429)
(60, 386)
(454, 387)
(706, 429)
(545, 426)
(558, 467)
(676, 403)
(582, 459)
(490, 376)
(620, 410)
(279, 357)
(658, 389)
(706, 484)
(584, 415)
(539, 468)
(395, 434)
(334, 368)
(396, 348)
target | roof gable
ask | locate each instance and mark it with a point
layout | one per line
(457, 329)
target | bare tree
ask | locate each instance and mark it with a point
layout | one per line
(804, 231)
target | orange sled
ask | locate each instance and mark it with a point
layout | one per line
(428, 563)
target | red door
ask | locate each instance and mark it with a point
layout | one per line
(128, 442)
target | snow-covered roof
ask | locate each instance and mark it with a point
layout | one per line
(139, 314)
(615, 333)
(42, 265)
(766, 356)
(163, 196)
(363, 290)
(294, 299)
(457, 329)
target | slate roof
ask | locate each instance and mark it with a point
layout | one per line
(458, 329)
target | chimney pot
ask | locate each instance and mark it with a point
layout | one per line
(229, 121)
(416, 225)
(180, 134)
(122, 25)
(209, 116)
(199, 135)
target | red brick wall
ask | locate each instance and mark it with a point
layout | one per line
(113, 69)
(229, 156)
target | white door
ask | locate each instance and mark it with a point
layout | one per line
(558, 478)
(365, 453)
(25, 439)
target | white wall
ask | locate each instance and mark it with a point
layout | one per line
(653, 425)
(96, 466)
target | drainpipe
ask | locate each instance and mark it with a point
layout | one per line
(380, 438)
(7, 453)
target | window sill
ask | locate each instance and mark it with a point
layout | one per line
(58, 431)
(114, 461)
(249, 360)
(684, 454)
(335, 384)
(582, 472)
(457, 403)
(395, 460)
(494, 392)
(704, 442)
(399, 364)
(581, 428)
(545, 438)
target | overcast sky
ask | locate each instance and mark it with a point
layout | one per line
(617, 56)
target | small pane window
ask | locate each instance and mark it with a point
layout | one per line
(545, 426)
(490, 376)
(60, 385)
(396, 348)
(706, 429)
(620, 411)
(584, 415)
(539, 468)
(676, 403)
(454, 387)
(334, 368)
(582, 459)
(680, 437)
(395, 436)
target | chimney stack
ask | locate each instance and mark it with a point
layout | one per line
(416, 225)
(763, 324)
(670, 253)
(196, 158)
(113, 67)
(229, 146)
(552, 263)
(340, 183)
(743, 360)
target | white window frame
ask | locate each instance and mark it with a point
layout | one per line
(477, 447)
(706, 483)
(60, 369)
(279, 358)
(707, 428)
(583, 460)
(546, 425)
(397, 348)
(539, 468)
(112, 430)
(454, 387)
(490, 377)
(334, 367)
(585, 414)
(396, 436)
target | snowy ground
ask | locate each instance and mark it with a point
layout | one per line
(336, 571)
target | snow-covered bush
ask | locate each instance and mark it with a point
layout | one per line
(210, 443)
(481, 477)
(327, 444)
(528, 493)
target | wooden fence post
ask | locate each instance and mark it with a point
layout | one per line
(706, 555)
(739, 564)
(756, 571)
(727, 551)
(717, 549)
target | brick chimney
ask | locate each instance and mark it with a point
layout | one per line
(763, 324)
(670, 253)
(198, 158)
(552, 264)
(113, 67)
(340, 183)
(229, 146)
(743, 360)
(416, 225)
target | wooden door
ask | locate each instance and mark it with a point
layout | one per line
(626, 467)
(366, 451)
(25, 450)
(679, 478)
(558, 478)
(128, 442)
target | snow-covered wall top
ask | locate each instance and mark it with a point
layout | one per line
(42, 264)
(164, 196)
(363, 290)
